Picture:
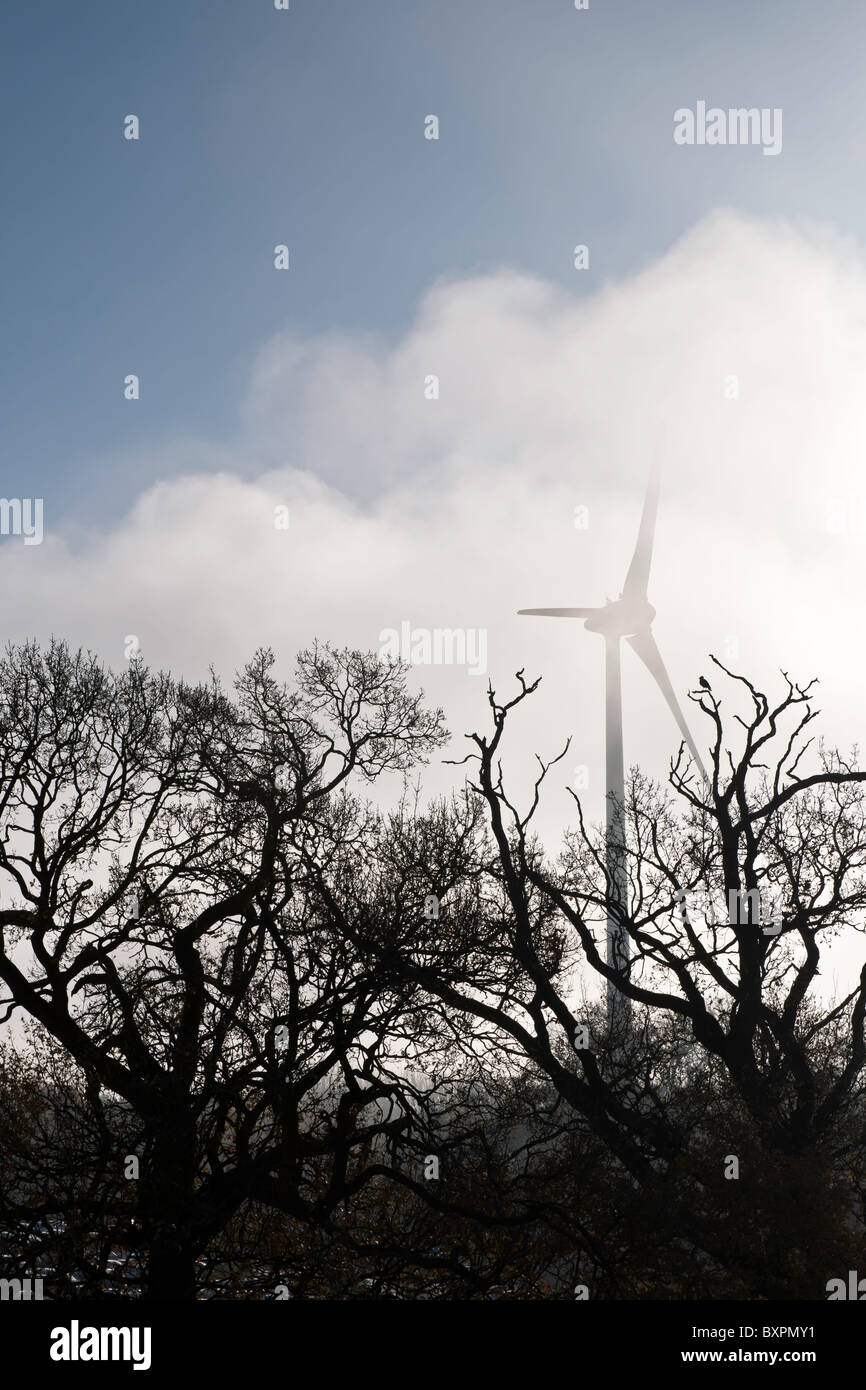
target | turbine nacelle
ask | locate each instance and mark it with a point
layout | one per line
(621, 617)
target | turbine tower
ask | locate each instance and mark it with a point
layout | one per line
(630, 616)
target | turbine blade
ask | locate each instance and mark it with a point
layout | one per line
(557, 612)
(645, 645)
(638, 571)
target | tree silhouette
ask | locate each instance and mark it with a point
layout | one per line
(725, 996)
(159, 935)
(233, 974)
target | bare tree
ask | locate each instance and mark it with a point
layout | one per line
(355, 1053)
(733, 888)
(153, 927)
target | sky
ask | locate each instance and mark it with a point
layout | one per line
(721, 318)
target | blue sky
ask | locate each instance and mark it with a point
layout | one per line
(306, 127)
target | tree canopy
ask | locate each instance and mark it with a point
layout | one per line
(284, 1039)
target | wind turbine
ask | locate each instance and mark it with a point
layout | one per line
(630, 616)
